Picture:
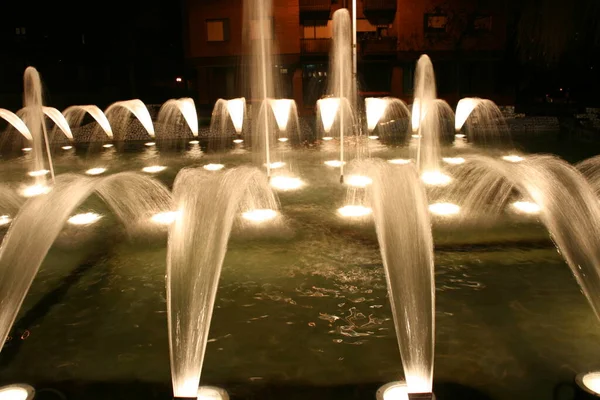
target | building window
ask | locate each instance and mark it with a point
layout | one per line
(317, 29)
(217, 30)
(482, 23)
(435, 23)
(21, 31)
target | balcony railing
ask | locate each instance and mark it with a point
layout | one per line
(384, 45)
(315, 46)
(315, 9)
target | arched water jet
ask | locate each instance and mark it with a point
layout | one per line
(170, 112)
(403, 228)
(282, 109)
(481, 119)
(59, 120)
(118, 113)
(16, 122)
(39, 221)
(375, 109)
(197, 246)
(590, 168)
(568, 207)
(74, 116)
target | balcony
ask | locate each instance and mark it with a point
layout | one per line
(315, 46)
(315, 9)
(380, 12)
(381, 46)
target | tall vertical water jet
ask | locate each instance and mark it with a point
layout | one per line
(75, 114)
(33, 117)
(174, 109)
(118, 114)
(341, 80)
(196, 249)
(131, 196)
(403, 228)
(16, 122)
(260, 40)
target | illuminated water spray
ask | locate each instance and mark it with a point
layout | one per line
(375, 108)
(118, 113)
(74, 115)
(184, 107)
(16, 122)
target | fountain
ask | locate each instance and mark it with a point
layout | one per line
(171, 112)
(118, 114)
(16, 122)
(75, 114)
(482, 122)
(225, 115)
(196, 249)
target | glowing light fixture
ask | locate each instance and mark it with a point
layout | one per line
(95, 171)
(67, 147)
(453, 160)
(328, 109)
(375, 108)
(283, 139)
(213, 167)
(18, 391)
(334, 163)
(5, 220)
(107, 145)
(35, 190)
(84, 218)
(281, 109)
(327, 138)
(26, 149)
(358, 181)
(260, 215)
(286, 183)
(153, 169)
(444, 209)
(591, 381)
(435, 178)
(40, 172)
(165, 218)
(354, 211)
(400, 161)
(373, 137)
(460, 135)
(149, 144)
(393, 391)
(212, 393)
(238, 141)
(415, 136)
(526, 207)
(178, 79)
(194, 142)
(513, 158)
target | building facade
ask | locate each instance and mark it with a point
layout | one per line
(466, 40)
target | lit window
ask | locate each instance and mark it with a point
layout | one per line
(217, 30)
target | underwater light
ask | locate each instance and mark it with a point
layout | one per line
(334, 163)
(444, 209)
(95, 171)
(213, 167)
(67, 147)
(276, 164)
(513, 158)
(400, 161)
(359, 181)
(589, 382)
(286, 183)
(393, 391)
(283, 139)
(40, 172)
(460, 135)
(259, 215)
(327, 138)
(149, 144)
(526, 207)
(238, 141)
(26, 149)
(107, 145)
(212, 393)
(165, 218)
(84, 218)
(154, 169)
(373, 137)
(354, 211)
(19, 391)
(415, 136)
(453, 160)
(35, 190)
(194, 141)
(5, 220)
(435, 178)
